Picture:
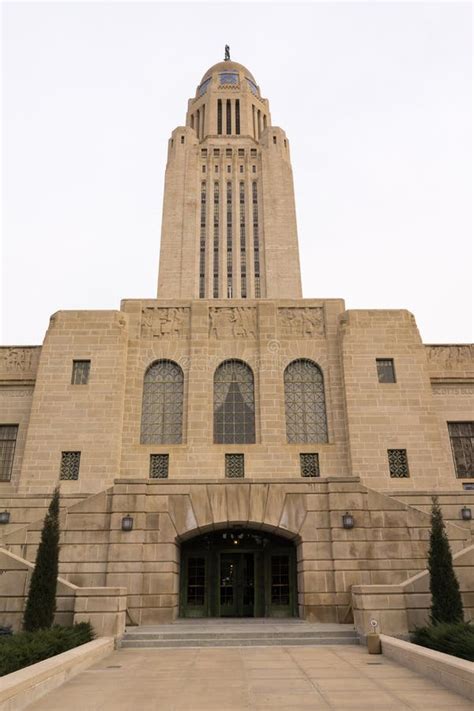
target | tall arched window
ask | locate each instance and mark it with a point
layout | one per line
(162, 408)
(305, 403)
(234, 404)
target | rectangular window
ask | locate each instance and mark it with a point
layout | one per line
(159, 466)
(228, 152)
(385, 370)
(234, 466)
(461, 435)
(241, 152)
(203, 168)
(253, 152)
(216, 152)
(70, 465)
(237, 117)
(219, 117)
(398, 463)
(80, 372)
(309, 464)
(228, 117)
(203, 152)
(8, 435)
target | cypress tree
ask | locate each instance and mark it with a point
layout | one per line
(41, 602)
(446, 602)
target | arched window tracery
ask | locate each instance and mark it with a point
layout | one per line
(234, 403)
(162, 405)
(305, 403)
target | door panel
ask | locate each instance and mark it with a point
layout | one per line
(229, 569)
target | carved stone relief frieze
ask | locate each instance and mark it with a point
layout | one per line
(305, 322)
(15, 392)
(18, 360)
(451, 357)
(160, 322)
(232, 322)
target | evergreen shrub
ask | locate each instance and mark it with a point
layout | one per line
(451, 638)
(26, 648)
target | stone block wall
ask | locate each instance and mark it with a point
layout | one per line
(387, 545)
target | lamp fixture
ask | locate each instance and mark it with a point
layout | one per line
(347, 520)
(466, 513)
(4, 517)
(127, 523)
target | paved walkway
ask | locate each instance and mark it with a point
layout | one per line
(237, 678)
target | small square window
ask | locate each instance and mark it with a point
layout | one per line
(241, 153)
(217, 152)
(398, 463)
(203, 152)
(159, 466)
(228, 152)
(70, 465)
(234, 466)
(8, 435)
(385, 370)
(253, 152)
(80, 372)
(309, 464)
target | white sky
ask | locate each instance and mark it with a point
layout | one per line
(375, 99)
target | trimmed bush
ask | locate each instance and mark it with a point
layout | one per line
(26, 648)
(41, 602)
(456, 639)
(446, 602)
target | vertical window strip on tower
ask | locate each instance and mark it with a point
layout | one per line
(219, 116)
(203, 114)
(229, 240)
(216, 241)
(256, 244)
(243, 256)
(202, 243)
(237, 117)
(228, 117)
(8, 436)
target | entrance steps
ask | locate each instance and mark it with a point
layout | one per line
(238, 633)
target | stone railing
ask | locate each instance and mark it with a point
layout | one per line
(398, 609)
(103, 607)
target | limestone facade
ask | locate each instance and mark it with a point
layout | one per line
(365, 418)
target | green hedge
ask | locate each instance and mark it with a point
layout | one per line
(25, 648)
(451, 638)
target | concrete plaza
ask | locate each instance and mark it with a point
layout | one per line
(236, 678)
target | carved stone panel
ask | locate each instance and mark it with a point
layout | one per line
(159, 322)
(455, 357)
(19, 361)
(232, 322)
(305, 322)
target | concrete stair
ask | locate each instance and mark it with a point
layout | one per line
(244, 633)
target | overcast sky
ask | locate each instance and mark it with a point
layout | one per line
(375, 99)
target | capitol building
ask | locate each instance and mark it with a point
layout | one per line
(229, 448)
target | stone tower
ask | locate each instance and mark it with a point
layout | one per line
(229, 222)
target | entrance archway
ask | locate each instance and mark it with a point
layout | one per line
(238, 572)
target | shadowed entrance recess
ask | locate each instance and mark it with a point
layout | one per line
(238, 573)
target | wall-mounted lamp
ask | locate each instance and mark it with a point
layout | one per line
(347, 520)
(4, 517)
(466, 513)
(127, 523)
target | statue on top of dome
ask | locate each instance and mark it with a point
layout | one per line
(227, 53)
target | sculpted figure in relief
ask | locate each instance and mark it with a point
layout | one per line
(17, 359)
(232, 322)
(451, 356)
(302, 323)
(163, 322)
